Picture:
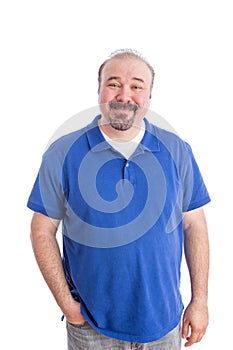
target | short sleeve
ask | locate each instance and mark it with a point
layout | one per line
(47, 195)
(195, 193)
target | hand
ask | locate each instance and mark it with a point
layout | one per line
(195, 319)
(73, 314)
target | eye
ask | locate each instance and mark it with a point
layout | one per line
(114, 85)
(137, 87)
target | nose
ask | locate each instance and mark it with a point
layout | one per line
(124, 95)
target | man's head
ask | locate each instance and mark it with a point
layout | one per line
(125, 84)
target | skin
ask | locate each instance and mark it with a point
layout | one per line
(128, 81)
(196, 248)
(48, 256)
(125, 81)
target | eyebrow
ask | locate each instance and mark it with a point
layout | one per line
(139, 79)
(113, 78)
(118, 78)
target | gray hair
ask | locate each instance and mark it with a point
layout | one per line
(126, 53)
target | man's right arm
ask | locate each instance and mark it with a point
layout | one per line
(48, 257)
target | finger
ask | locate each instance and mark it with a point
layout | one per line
(185, 329)
(190, 341)
(195, 337)
(201, 335)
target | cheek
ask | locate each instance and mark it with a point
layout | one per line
(105, 96)
(143, 101)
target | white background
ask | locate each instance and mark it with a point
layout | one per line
(50, 54)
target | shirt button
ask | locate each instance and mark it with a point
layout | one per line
(127, 164)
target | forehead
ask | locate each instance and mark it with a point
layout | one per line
(127, 68)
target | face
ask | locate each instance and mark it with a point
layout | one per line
(124, 93)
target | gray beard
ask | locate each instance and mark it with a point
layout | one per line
(122, 121)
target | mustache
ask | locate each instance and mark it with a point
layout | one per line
(120, 105)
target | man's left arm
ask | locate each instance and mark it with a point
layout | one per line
(196, 247)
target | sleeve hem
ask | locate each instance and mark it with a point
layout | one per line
(198, 204)
(38, 209)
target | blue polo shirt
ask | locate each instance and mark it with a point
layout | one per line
(122, 226)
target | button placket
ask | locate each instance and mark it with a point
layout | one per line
(126, 171)
(129, 172)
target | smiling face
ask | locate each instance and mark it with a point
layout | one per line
(124, 92)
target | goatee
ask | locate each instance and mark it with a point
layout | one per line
(122, 115)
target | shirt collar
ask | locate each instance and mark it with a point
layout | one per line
(150, 142)
(97, 142)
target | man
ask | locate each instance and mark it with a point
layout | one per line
(130, 196)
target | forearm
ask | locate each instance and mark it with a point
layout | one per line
(196, 246)
(47, 253)
(48, 257)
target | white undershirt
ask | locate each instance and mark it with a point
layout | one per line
(126, 148)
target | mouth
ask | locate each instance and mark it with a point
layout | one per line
(122, 115)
